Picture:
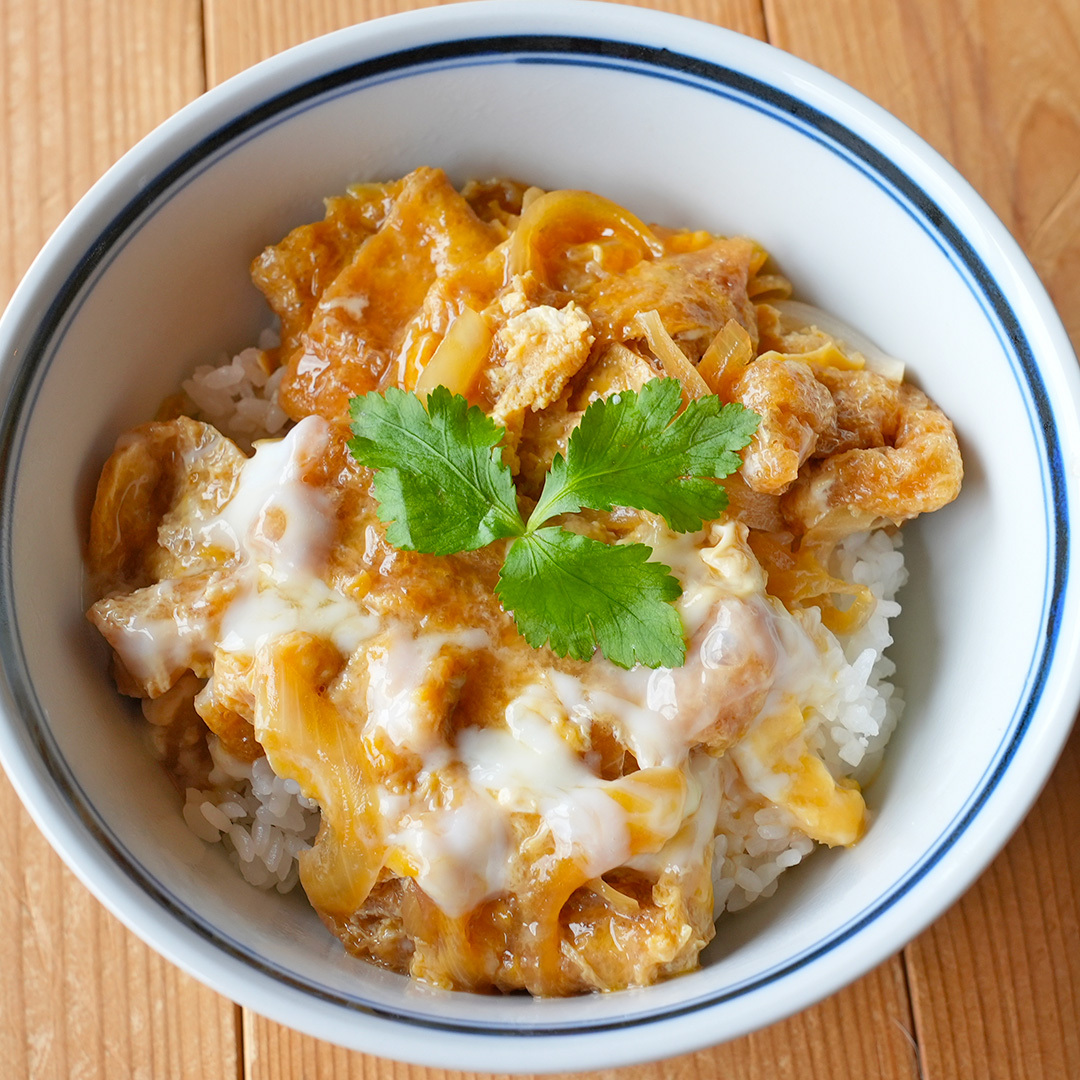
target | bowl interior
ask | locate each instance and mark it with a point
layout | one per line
(681, 146)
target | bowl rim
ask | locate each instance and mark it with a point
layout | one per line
(618, 38)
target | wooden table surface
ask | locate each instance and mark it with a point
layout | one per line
(992, 990)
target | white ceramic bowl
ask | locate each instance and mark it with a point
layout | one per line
(684, 124)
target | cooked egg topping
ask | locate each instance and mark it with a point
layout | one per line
(445, 752)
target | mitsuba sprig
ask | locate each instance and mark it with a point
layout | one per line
(442, 487)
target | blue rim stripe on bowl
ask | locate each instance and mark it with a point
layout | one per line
(622, 56)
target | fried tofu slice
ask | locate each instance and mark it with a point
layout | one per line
(361, 321)
(543, 348)
(294, 273)
(160, 482)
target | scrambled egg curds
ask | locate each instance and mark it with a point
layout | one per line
(494, 816)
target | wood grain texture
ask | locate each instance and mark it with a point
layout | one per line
(805, 1047)
(80, 83)
(79, 995)
(239, 33)
(994, 86)
(996, 982)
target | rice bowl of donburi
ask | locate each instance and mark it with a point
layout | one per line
(372, 681)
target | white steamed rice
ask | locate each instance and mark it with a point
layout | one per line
(239, 396)
(756, 843)
(262, 820)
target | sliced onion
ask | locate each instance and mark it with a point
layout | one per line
(671, 357)
(559, 219)
(877, 360)
(726, 358)
(762, 286)
(531, 195)
(618, 901)
(307, 738)
(459, 356)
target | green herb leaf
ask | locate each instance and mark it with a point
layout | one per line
(441, 484)
(575, 593)
(442, 487)
(631, 450)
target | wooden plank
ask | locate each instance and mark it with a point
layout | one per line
(239, 33)
(80, 83)
(995, 87)
(996, 982)
(872, 1014)
(79, 995)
